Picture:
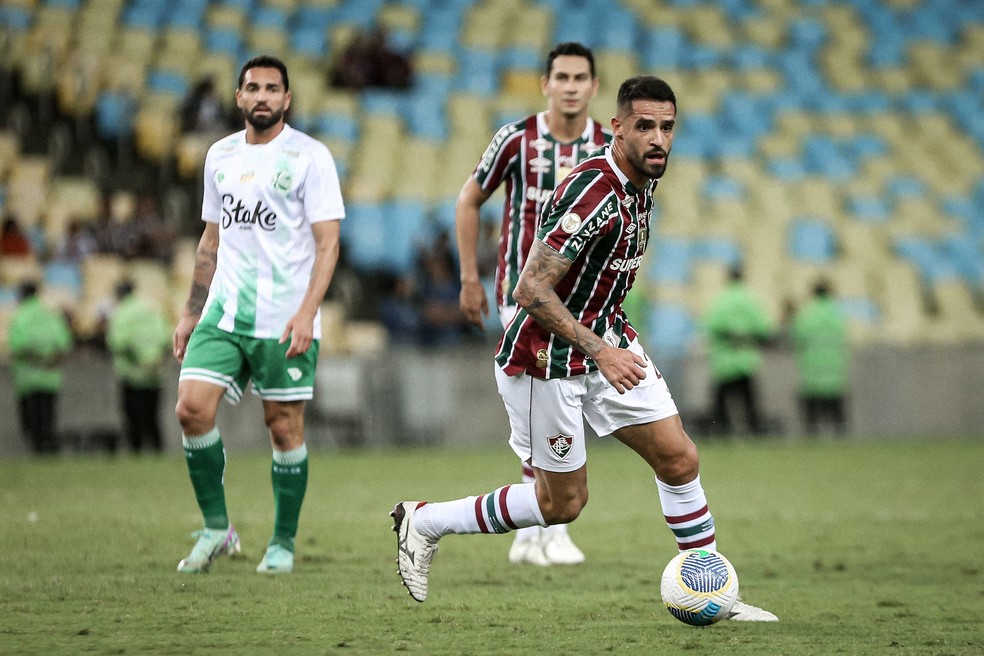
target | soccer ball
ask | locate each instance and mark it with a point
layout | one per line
(699, 587)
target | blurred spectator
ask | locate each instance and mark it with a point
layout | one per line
(75, 244)
(13, 241)
(115, 232)
(39, 339)
(819, 336)
(203, 111)
(444, 322)
(400, 312)
(139, 338)
(369, 61)
(153, 238)
(737, 328)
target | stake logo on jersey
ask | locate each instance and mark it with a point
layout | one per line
(605, 248)
(264, 198)
(234, 212)
(532, 163)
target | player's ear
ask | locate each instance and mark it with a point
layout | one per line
(543, 85)
(287, 101)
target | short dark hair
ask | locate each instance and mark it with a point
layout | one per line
(265, 61)
(27, 289)
(643, 87)
(571, 49)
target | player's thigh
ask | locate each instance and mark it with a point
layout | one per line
(545, 424)
(278, 378)
(213, 357)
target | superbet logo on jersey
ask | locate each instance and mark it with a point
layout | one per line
(234, 211)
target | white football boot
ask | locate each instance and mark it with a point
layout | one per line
(742, 612)
(558, 548)
(414, 551)
(211, 544)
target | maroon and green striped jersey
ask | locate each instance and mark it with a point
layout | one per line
(532, 163)
(600, 222)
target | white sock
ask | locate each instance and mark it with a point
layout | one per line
(686, 513)
(528, 533)
(507, 509)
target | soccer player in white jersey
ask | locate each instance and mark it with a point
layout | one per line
(570, 355)
(531, 156)
(272, 207)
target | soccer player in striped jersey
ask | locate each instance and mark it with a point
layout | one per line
(272, 207)
(531, 156)
(571, 354)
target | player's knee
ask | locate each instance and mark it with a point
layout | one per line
(566, 510)
(679, 466)
(192, 416)
(285, 432)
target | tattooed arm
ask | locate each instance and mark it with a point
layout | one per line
(205, 260)
(535, 293)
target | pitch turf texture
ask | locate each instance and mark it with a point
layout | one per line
(860, 547)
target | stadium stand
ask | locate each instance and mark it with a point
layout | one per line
(816, 136)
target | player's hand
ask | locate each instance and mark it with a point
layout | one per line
(179, 341)
(300, 330)
(474, 303)
(622, 368)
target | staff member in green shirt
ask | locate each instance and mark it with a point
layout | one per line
(737, 329)
(819, 336)
(139, 338)
(39, 339)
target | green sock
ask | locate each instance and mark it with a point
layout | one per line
(206, 460)
(289, 475)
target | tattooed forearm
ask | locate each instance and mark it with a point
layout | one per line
(535, 293)
(206, 260)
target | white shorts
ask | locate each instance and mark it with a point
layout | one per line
(506, 314)
(546, 428)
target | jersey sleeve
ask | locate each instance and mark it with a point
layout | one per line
(210, 197)
(322, 192)
(493, 168)
(583, 208)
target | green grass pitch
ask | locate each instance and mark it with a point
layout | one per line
(869, 547)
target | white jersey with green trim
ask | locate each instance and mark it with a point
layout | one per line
(264, 197)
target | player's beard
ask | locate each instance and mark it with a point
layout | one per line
(263, 122)
(651, 171)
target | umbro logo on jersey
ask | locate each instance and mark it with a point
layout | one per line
(234, 211)
(540, 165)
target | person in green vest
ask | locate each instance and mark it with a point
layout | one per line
(138, 336)
(737, 328)
(39, 339)
(819, 336)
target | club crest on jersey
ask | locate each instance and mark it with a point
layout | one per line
(541, 358)
(570, 222)
(294, 373)
(282, 180)
(561, 444)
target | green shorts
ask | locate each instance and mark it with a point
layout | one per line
(231, 361)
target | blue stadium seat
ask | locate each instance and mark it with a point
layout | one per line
(15, 19)
(672, 261)
(868, 209)
(269, 17)
(64, 275)
(169, 82)
(336, 126)
(722, 251)
(310, 40)
(719, 187)
(114, 115)
(812, 240)
(671, 329)
(223, 40)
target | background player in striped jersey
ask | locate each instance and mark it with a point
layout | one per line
(570, 354)
(272, 207)
(531, 157)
